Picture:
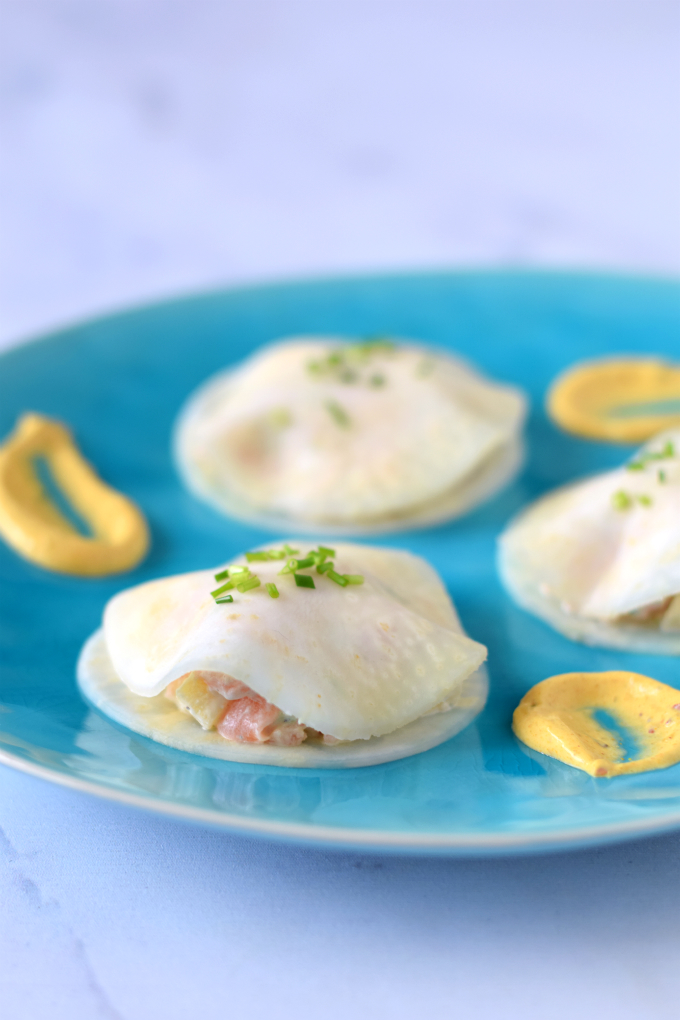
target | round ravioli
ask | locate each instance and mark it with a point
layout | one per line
(382, 667)
(363, 437)
(600, 559)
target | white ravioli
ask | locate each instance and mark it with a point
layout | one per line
(364, 663)
(274, 440)
(588, 555)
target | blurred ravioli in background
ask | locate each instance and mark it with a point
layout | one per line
(600, 559)
(361, 438)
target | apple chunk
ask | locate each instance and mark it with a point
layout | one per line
(194, 696)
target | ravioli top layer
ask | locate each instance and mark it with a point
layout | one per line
(354, 662)
(609, 545)
(324, 431)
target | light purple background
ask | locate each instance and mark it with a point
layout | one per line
(150, 147)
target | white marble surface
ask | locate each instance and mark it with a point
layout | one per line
(111, 914)
(150, 147)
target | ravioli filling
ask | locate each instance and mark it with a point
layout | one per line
(220, 702)
(663, 615)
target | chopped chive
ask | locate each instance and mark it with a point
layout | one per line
(621, 500)
(272, 589)
(225, 587)
(257, 557)
(354, 578)
(325, 551)
(338, 414)
(288, 569)
(222, 576)
(335, 358)
(348, 375)
(667, 451)
(251, 582)
(308, 561)
(661, 475)
(238, 570)
(338, 578)
(223, 599)
(288, 551)
(635, 465)
(277, 554)
(324, 567)
(644, 500)
(304, 581)
(377, 380)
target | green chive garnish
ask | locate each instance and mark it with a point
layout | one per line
(223, 599)
(257, 557)
(251, 582)
(277, 554)
(644, 500)
(272, 589)
(325, 551)
(662, 476)
(308, 561)
(288, 551)
(338, 414)
(222, 576)
(337, 363)
(663, 454)
(324, 567)
(354, 578)
(304, 581)
(238, 570)
(338, 578)
(225, 587)
(621, 500)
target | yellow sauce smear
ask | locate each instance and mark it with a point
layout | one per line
(623, 400)
(556, 717)
(32, 523)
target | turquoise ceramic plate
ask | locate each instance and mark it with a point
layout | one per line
(119, 382)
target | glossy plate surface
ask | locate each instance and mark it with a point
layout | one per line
(119, 383)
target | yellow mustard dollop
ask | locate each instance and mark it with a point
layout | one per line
(624, 400)
(557, 718)
(34, 526)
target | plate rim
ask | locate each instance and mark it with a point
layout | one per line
(341, 837)
(378, 273)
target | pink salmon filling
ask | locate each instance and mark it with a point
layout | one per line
(247, 717)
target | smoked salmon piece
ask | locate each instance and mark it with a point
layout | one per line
(246, 717)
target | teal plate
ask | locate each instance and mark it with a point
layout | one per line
(120, 381)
